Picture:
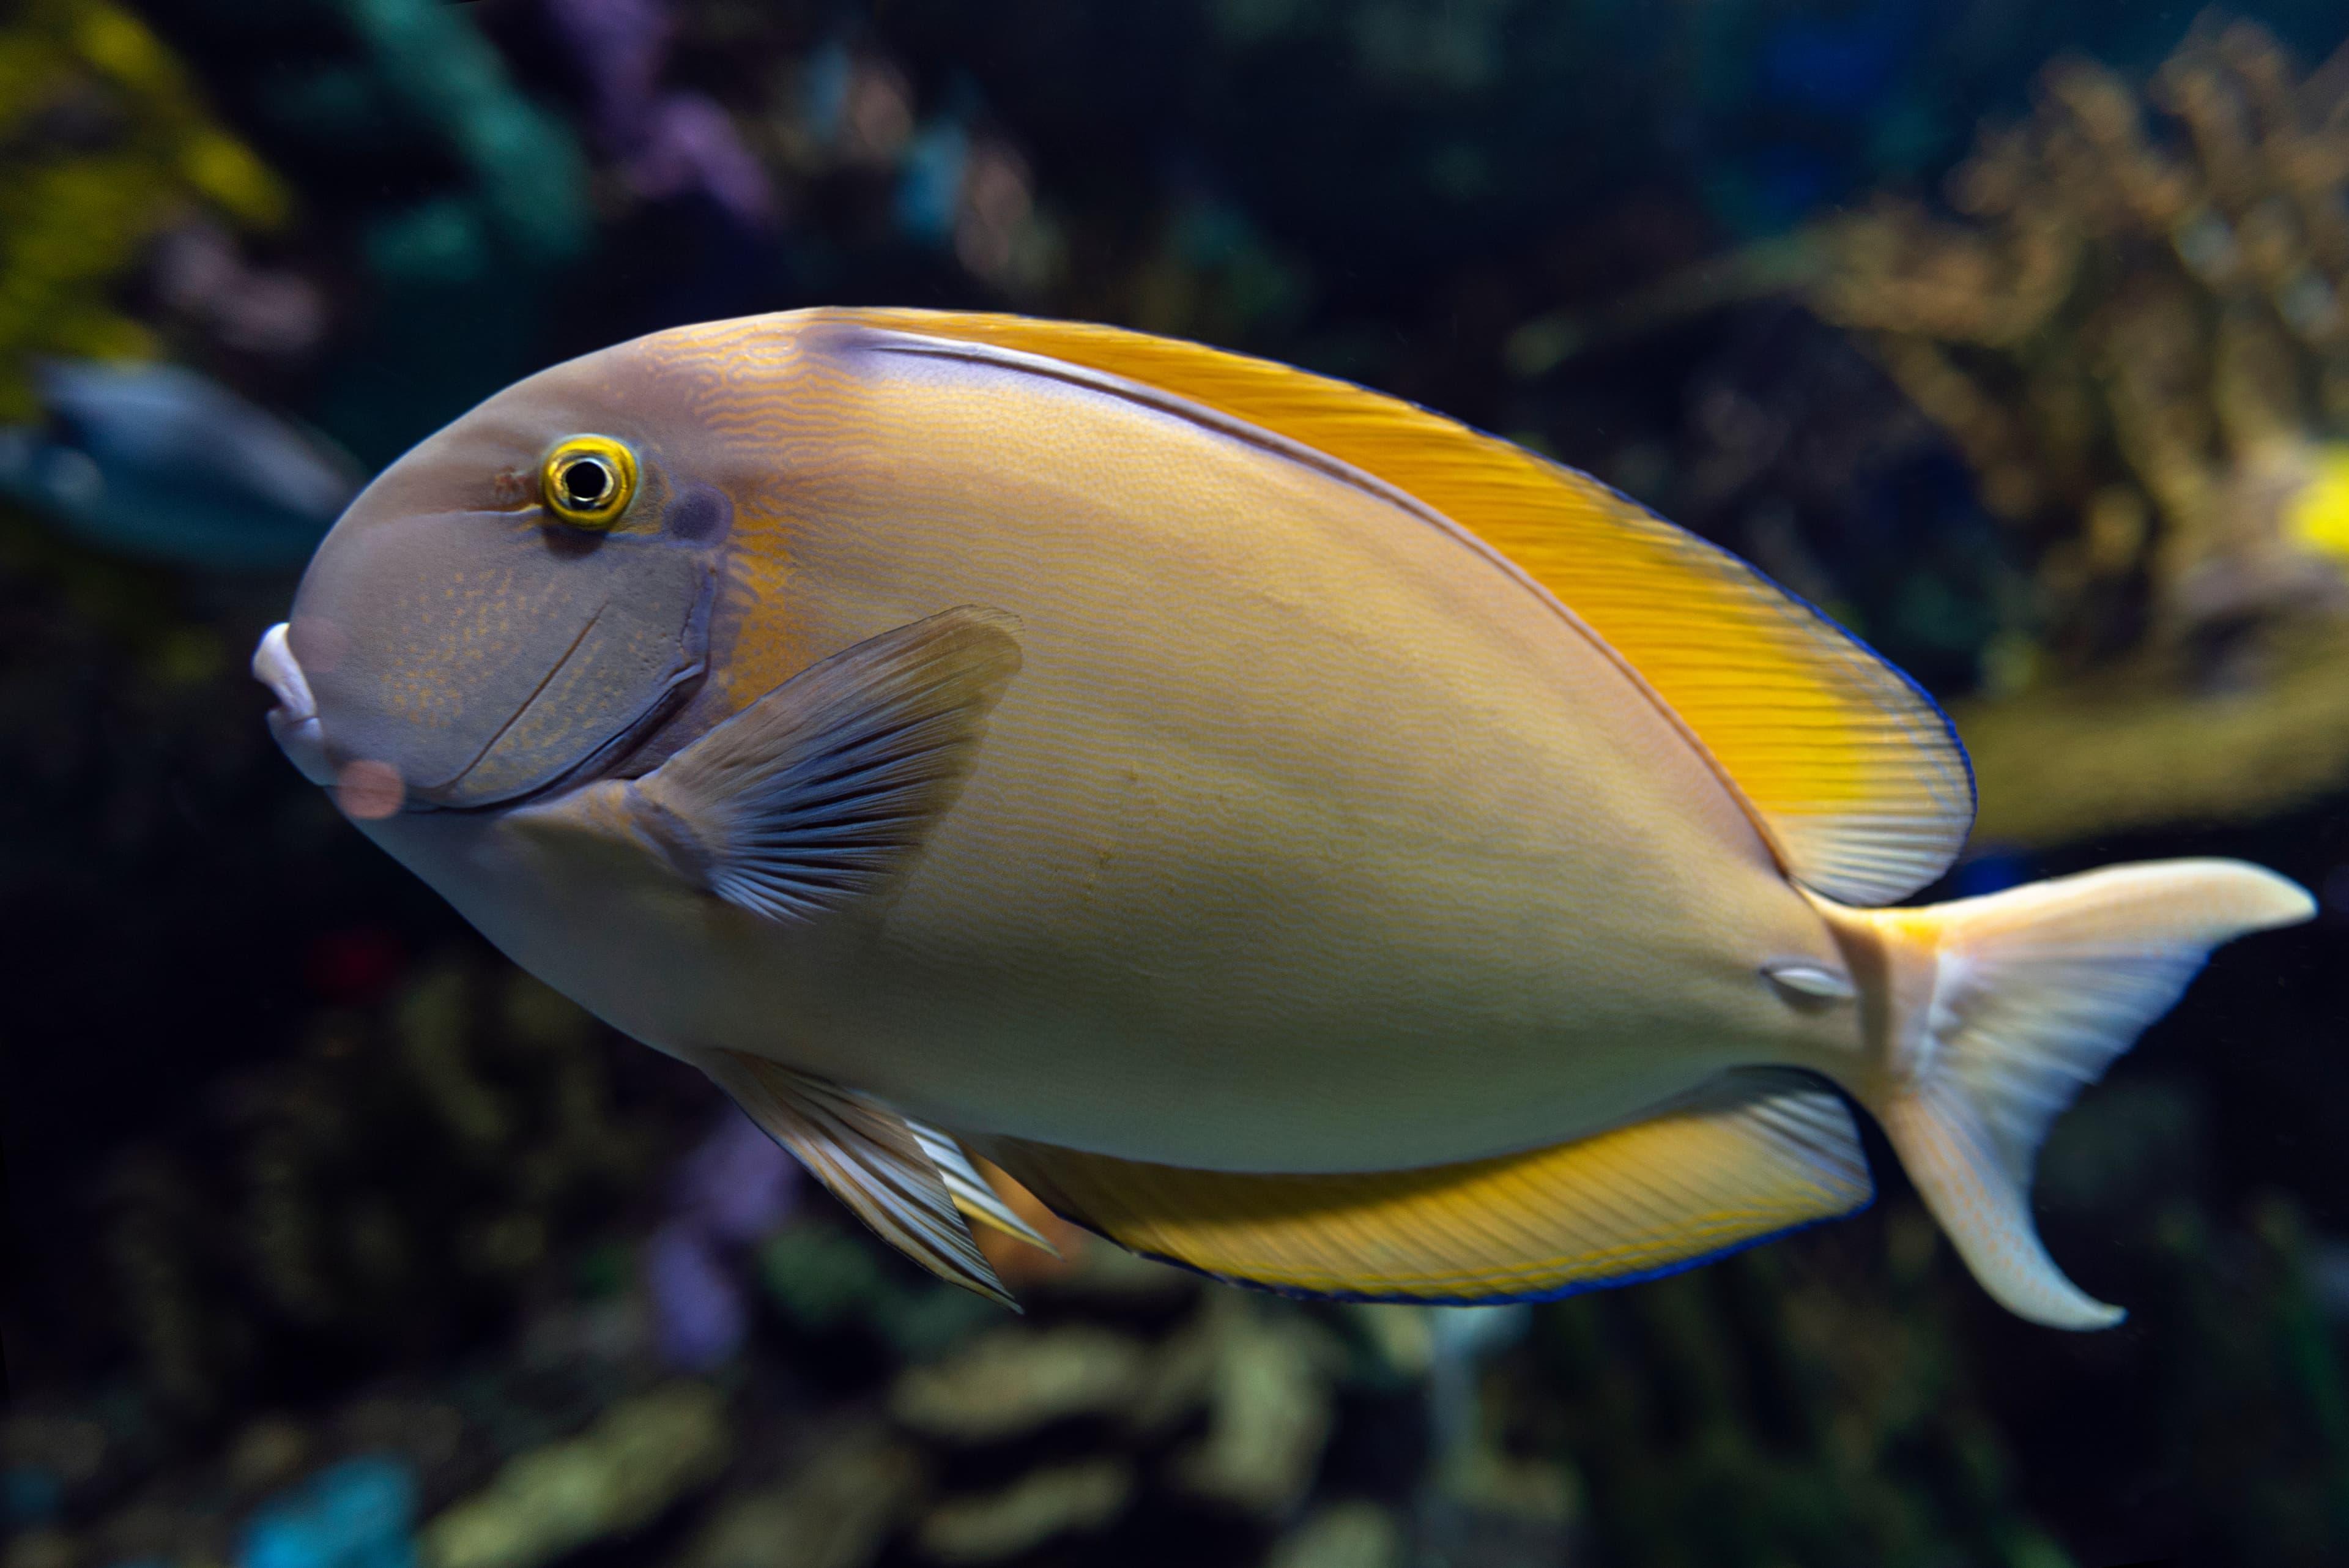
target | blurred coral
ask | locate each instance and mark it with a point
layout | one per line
(109, 145)
(2136, 331)
(1142, 1393)
(844, 135)
(735, 1187)
(401, 1176)
(639, 1458)
(359, 1514)
(834, 1511)
(667, 142)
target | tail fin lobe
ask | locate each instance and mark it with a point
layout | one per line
(2008, 1006)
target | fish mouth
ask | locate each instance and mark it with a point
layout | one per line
(294, 721)
(465, 661)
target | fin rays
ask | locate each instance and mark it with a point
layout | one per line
(2023, 998)
(810, 795)
(873, 1160)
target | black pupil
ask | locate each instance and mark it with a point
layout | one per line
(587, 483)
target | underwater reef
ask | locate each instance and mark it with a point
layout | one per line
(2125, 316)
(2134, 329)
(111, 151)
(335, 1242)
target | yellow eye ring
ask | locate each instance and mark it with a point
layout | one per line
(588, 480)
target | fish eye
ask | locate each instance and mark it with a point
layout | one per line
(588, 480)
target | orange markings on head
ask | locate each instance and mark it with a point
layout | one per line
(368, 790)
(514, 488)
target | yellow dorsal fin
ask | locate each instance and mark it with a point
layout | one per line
(1753, 1154)
(1852, 774)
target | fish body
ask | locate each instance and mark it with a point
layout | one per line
(1129, 763)
(1277, 819)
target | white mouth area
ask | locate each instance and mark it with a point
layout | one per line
(274, 665)
(294, 720)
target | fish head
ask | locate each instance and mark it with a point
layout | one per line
(510, 608)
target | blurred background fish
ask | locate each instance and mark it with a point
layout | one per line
(158, 462)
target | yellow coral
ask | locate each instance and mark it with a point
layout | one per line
(2317, 515)
(225, 172)
(73, 219)
(2119, 324)
(115, 43)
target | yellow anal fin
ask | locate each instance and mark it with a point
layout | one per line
(1853, 775)
(1754, 1153)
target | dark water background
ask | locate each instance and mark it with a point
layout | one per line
(334, 1241)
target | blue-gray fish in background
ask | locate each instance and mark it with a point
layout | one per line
(160, 464)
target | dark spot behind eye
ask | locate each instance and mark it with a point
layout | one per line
(700, 515)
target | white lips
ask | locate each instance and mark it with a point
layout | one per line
(294, 720)
(273, 666)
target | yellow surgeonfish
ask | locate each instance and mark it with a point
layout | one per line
(1295, 835)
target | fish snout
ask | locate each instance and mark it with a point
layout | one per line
(294, 721)
(469, 659)
(366, 788)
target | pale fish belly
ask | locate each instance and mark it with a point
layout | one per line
(1308, 837)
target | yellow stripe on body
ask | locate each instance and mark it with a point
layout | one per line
(1852, 775)
(1760, 1155)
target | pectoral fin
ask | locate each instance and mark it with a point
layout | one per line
(1753, 1154)
(875, 1161)
(816, 793)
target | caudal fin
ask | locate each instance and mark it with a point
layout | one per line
(2005, 1007)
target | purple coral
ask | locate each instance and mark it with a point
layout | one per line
(667, 143)
(699, 1315)
(734, 1186)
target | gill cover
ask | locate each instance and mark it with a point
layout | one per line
(487, 654)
